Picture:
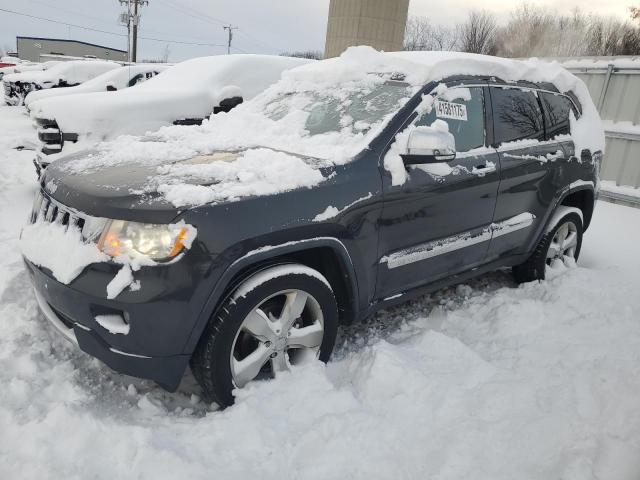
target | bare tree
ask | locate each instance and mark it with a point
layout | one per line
(420, 34)
(478, 33)
(533, 31)
(311, 54)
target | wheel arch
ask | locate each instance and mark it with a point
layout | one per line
(327, 255)
(582, 198)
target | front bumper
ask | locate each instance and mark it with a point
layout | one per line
(72, 313)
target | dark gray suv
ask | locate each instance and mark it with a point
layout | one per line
(454, 175)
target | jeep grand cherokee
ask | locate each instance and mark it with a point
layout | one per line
(398, 174)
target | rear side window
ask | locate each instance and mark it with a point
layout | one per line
(557, 108)
(516, 115)
(463, 109)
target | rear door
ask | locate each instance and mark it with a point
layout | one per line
(437, 222)
(528, 179)
(558, 108)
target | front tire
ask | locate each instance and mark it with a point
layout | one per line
(563, 240)
(274, 319)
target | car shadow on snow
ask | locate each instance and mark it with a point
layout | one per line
(113, 392)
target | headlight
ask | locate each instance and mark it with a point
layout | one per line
(146, 240)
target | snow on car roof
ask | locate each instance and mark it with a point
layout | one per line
(76, 71)
(278, 119)
(219, 71)
(118, 77)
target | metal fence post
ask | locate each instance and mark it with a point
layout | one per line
(605, 87)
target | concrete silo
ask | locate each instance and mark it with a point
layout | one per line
(378, 23)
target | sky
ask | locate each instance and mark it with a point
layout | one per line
(190, 28)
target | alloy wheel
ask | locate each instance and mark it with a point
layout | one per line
(282, 330)
(564, 242)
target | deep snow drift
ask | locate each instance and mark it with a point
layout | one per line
(480, 381)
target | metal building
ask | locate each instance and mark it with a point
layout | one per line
(614, 85)
(32, 48)
(377, 23)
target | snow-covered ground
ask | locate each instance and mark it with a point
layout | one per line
(480, 381)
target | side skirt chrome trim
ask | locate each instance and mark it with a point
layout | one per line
(457, 242)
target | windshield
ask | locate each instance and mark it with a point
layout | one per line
(333, 111)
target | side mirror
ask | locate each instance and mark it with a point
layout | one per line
(433, 144)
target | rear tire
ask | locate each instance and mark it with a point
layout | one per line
(565, 239)
(274, 319)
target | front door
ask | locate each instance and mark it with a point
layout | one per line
(436, 217)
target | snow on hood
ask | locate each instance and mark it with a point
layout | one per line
(77, 71)
(282, 117)
(190, 89)
(118, 78)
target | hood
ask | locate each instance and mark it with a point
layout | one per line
(152, 192)
(114, 192)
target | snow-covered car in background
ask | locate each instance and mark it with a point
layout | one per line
(26, 67)
(111, 81)
(351, 185)
(65, 74)
(184, 94)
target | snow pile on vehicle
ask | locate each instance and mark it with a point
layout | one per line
(73, 72)
(187, 91)
(117, 78)
(65, 255)
(254, 172)
(328, 110)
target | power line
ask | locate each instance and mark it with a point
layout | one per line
(62, 23)
(203, 17)
(153, 39)
(240, 50)
(191, 12)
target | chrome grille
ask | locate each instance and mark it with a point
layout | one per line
(47, 210)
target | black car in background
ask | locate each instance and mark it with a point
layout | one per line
(463, 175)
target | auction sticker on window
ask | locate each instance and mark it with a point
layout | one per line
(454, 111)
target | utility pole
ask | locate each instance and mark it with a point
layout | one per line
(132, 19)
(230, 29)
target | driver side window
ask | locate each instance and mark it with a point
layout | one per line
(463, 110)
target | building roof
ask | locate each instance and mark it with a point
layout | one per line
(66, 40)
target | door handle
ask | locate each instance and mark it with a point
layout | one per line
(481, 170)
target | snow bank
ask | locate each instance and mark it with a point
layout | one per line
(627, 190)
(59, 249)
(624, 127)
(17, 130)
(118, 78)
(624, 62)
